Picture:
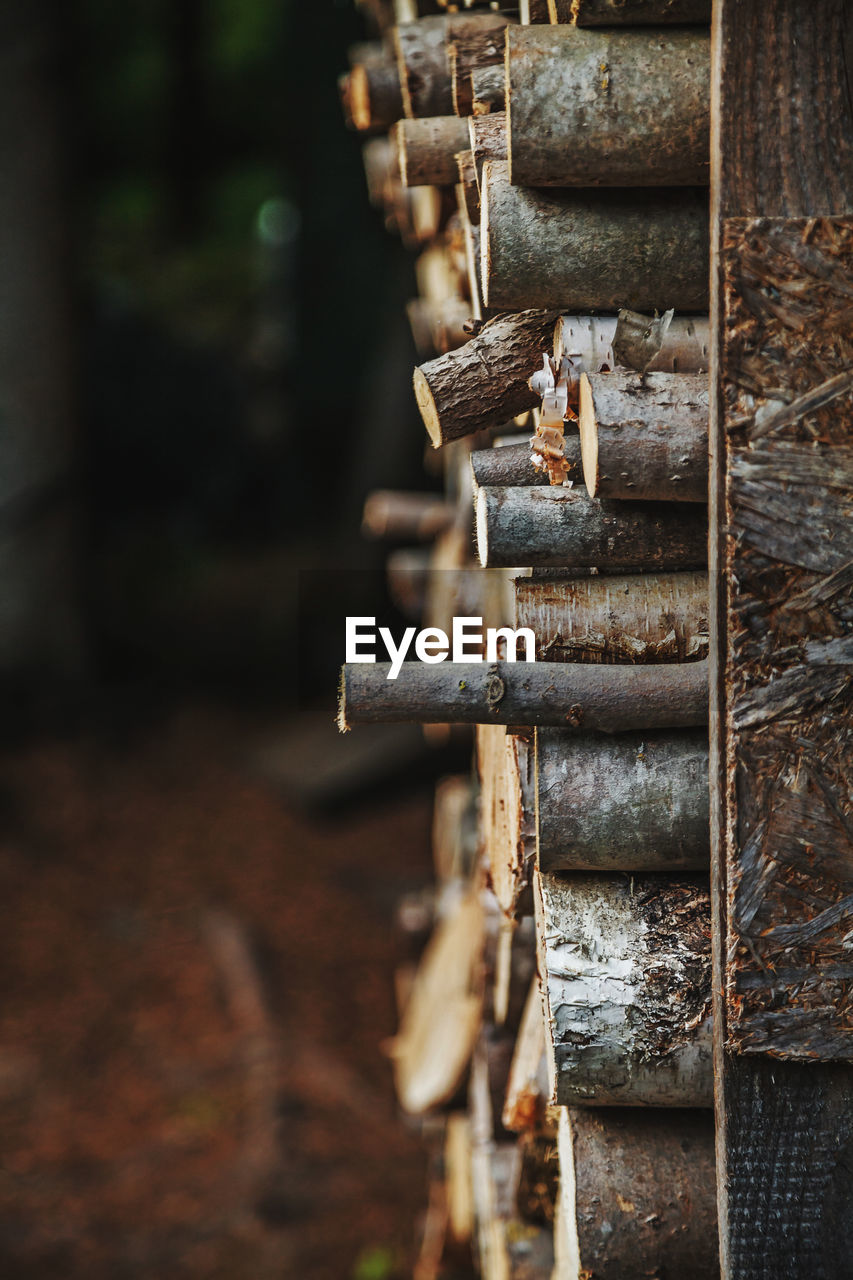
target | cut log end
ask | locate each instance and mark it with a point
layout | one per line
(426, 404)
(481, 524)
(485, 237)
(343, 724)
(359, 97)
(589, 437)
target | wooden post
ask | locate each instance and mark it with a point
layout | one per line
(426, 150)
(645, 437)
(594, 251)
(569, 695)
(588, 340)
(625, 802)
(606, 13)
(568, 529)
(637, 1195)
(782, 187)
(611, 107)
(626, 968)
(644, 618)
(484, 383)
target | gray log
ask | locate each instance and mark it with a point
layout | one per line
(513, 465)
(426, 150)
(646, 437)
(566, 528)
(484, 383)
(637, 1195)
(626, 965)
(472, 50)
(488, 90)
(374, 95)
(424, 70)
(487, 140)
(644, 617)
(617, 13)
(568, 695)
(626, 802)
(612, 108)
(589, 339)
(592, 250)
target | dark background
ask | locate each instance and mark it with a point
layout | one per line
(204, 367)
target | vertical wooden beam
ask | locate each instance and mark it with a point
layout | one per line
(782, 150)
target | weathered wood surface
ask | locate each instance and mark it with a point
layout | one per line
(588, 340)
(473, 50)
(484, 383)
(572, 695)
(637, 1195)
(488, 90)
(487, 140)
(592, 250)
(512, 465)
(626, 969)
(426, 149)
(641, 618)
(505, 764)
(645, 437)
(605, 13)
(527, 1087)
(610, 107)
(782, 147)
(423, 57)
(565, 528)
(621, 802)
(374, 96)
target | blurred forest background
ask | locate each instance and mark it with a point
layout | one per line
(204, 367)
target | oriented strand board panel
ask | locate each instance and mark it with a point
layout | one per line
(788, 406)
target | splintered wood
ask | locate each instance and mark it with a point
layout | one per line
(789, 567)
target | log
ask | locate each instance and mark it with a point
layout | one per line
(487, 140)
(508, 1247)
(643, 618)
(588, 340)
(533, 11)
(374, 95)
(612, 108)
(484, 383)
(626, 968)
(623, 802)
(457, 1166)
(400, 515)
(406, 574)
(539, 1176)
(467, 191)
(592, 250)
(617, 13)
(427, 148)
(645, 437)
(479, 47)
(438, 327)
(488, 90)
(454, 830)
(515, 964)
(567, 695)
(512, 465)
(505, 764)
(423, 57)
(527, 1088)
(637, 1195)
(442, 1017)
(567, 528)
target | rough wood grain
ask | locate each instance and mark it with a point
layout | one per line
(588, 340)
(513, 465)
(592, 250)
(426, 150)
(612, 108)
(571, 695)
(623, 802)
(626, 969)
(507, 814)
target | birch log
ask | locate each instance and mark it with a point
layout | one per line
(592, 250)
(637, 1195)
(512, 465)
(566, 528)
(505, 764)
(622, 802)
(626, 967)
(588, 340)
(642, 618)
(645, 437)
(484, 383)
(613, 108)
(617, 13)
(426, 150)
(566, 695)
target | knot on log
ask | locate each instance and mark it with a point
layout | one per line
(495, 690)
(575, 716)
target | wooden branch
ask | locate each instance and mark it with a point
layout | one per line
(427, 148)
(612, 108)
(570, 695)
(606, 13)
(592, 250)
(644, 618)
(438, 327)
(627, 802)
(488, 90)
(484, 383)
(401, 515)
(645, 437)
(505, 764)
(626, 967)
(512, 465)
(374, 95)
(588, 340)
(637, 1195)
(473, 50)
(568, 529)
(423, 57)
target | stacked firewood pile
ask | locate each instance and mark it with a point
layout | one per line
(549, 165)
